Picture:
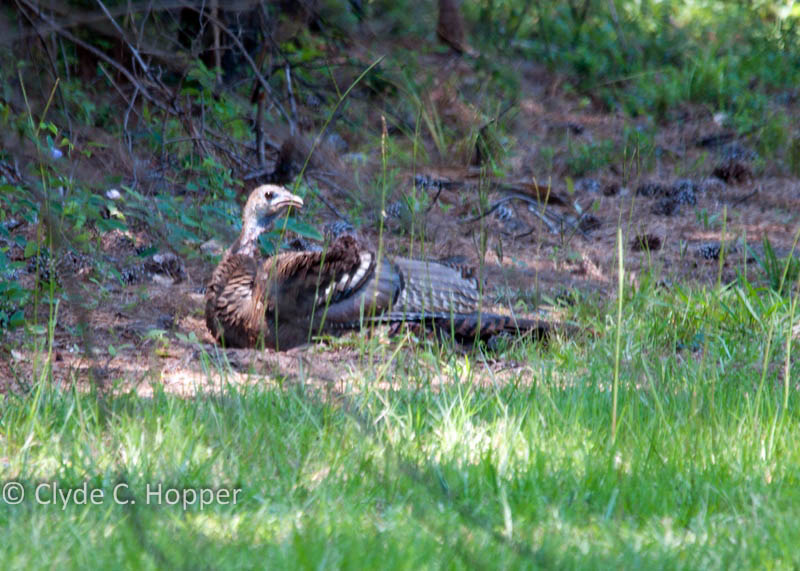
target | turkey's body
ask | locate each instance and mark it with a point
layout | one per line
(287, 299)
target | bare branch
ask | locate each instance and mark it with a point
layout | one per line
(259, 76)
(293, 121)
(134, 51)
(93, 50)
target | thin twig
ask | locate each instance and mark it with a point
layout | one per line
(54, 68)
(292, 104)
(217, 43)
(259, 76)
(129, 137)
(255, 174)
(325, 180)
(541, 215)
(93, 50)
(746, 197)
(491, 209)
(259, 128)
(121, 33)
(201, 141)
(435, 198)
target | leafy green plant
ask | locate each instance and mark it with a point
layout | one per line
(584, 158)
(706, 220)
(13, 296)
(781, 274)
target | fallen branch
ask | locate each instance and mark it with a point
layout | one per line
(746, 197)
(553, 226)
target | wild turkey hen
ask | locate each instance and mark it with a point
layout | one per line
(287, 299)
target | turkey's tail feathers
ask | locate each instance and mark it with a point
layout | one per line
(471, 327)
(486, 325)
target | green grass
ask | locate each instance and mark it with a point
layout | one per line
(512, 471)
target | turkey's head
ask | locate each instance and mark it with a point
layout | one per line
(264, 205)
(267, 202)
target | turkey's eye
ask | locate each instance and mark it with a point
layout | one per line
(269, 195)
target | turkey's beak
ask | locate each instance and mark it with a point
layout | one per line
(287, 200)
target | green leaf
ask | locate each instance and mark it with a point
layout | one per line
(30, 249)
(191, 338)
(303, 229)
(16, 320)
(38, 329)
(155, 334)
(108, 224)
(147, 252)
(188, 221)
(182, 234)
(266, 243)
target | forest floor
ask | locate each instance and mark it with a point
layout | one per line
(679, 196)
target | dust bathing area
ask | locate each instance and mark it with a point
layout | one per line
(683, 191)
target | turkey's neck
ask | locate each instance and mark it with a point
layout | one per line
(251, 230)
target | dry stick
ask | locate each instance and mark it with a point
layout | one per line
(55, 69)
(259, 76)
(324, 200)
(202, 141)
(543, 216)
(126, 118)
(68, 19)
(121, 33)
(435, 198)
(175, 108)
(746, 197)
(114, 84)
(129, 137)
(95, 52)
(272, 144)
(148, 11)
(259, 127)
(292, 104)
(215, 21)
(44, 44)
(145, 67)
(488, 211)
(217, 46)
